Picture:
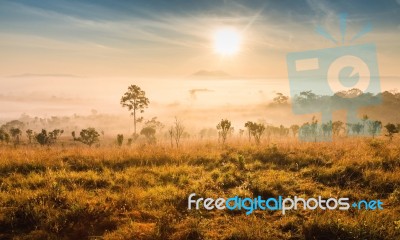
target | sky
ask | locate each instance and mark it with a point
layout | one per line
(62, 57)
(174, 38)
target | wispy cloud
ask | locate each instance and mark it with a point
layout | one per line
(28, 75)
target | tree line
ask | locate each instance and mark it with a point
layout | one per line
(136, 102)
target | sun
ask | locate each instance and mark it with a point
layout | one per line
(227, 41)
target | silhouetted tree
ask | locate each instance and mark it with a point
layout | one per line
(337, 126)
(4, 136)
(55, 134)
(374, 127)
(224, 127)
(120, 139)
(47, 138)
(42, 138)
(295, 129)
(15, 134)
(314, 128)
(280, 99)
(29, 135)
(171, 135)
(87, 136)
(391, 129)
(364, 120)
(357, 128)
(176, 131)
(135, 100)
(12, 124)
(129, 143)
(149, 133)
(327, 128)
(241, 132)
(154, 123)
(256, 130)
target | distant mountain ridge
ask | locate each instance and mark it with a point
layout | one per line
(207, 74)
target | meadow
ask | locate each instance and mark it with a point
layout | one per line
(140, 191)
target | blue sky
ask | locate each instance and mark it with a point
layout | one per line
(156, 38)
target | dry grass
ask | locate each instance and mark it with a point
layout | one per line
(141, 192)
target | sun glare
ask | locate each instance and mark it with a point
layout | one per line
(227, 41)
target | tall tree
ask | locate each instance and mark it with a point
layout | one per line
(136, 101)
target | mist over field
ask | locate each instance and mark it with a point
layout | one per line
(198, 101)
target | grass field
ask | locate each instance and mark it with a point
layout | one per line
(140, 192)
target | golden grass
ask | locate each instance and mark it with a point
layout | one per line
(140, 192)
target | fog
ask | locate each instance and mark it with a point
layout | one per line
(198, 102)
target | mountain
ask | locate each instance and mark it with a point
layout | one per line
(211, 74)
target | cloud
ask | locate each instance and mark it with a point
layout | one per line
(193, 92)
(28, 75)
(41, 98)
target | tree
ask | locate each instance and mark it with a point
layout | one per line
(241, 132)
(364, 120)
(88, 136)
(171, 135)
(314, 128)
(283, 132)
(256, 130)
(248, 125)
(12, 124)
(136, 101)
(391, 129)
(327, 128)
(149, 133)
(374, 127)
(357, 128)
(176, 131)
(4, 136)
(29, 135)
(55, 134)
(42, 138)
(15, 134)
(154, 123)
(224, 127)
(280, 99)
(120, 139)
(337, 126)
(295, 129)
(47, 138)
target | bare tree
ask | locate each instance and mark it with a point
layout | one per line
(177, 131)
